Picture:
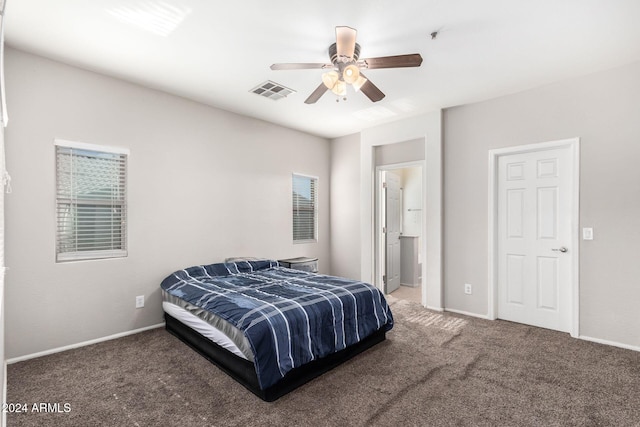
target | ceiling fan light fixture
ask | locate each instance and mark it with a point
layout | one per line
(351, 73)
(330, 79)
(340, 88)
(345, 67)
(360, 81)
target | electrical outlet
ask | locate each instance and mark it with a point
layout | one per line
(467, 289)
(140, 301)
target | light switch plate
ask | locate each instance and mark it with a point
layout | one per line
(587, 233)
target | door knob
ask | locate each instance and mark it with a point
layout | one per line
(560, 249)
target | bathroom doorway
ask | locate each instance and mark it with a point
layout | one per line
(399, 222)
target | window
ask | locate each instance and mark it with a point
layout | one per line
(91, 202)
(305, 212)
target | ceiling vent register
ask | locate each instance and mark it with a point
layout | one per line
(272, 90)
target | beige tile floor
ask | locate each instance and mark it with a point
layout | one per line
(408, 293)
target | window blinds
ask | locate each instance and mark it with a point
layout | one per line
(304, 208)
(90, 203)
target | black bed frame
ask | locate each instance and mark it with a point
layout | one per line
(244, 372)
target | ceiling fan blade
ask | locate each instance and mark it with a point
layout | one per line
(300, 66)
(398, 61)
(371, 90)
(345, 41)
(313, 98)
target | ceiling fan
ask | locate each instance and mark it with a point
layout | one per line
(345, 67)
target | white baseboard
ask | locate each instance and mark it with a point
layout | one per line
(80, 344)
(466, 313)
(582, 337)
(612, 343)
(434, 308)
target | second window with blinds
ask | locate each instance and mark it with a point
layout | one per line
(305, 208)
(91, 201)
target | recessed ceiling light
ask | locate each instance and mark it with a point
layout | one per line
(157, 17)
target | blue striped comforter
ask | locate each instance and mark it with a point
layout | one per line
(289, 317)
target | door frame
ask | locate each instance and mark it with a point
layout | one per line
(573, 145)
(379, 215)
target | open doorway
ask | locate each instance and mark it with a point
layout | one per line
(399, 230)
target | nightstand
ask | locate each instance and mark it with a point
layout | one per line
(301, 263)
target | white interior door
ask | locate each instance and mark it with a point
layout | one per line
(534, 238)
(392, 230)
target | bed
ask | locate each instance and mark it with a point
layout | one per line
(273, 328)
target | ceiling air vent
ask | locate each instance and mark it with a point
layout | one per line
(272, 90)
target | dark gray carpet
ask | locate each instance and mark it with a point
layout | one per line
(434, 369)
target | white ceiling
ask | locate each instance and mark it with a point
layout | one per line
(218, 51)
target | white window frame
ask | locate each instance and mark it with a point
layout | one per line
(92, 254)
(316, 181)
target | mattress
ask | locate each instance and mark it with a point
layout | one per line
(203, 328)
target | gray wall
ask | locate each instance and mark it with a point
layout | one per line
(352, 201)
(345, 206)
(204, 184)
(428, 128)
(412, 213)
(400, 152)
(603, 110)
